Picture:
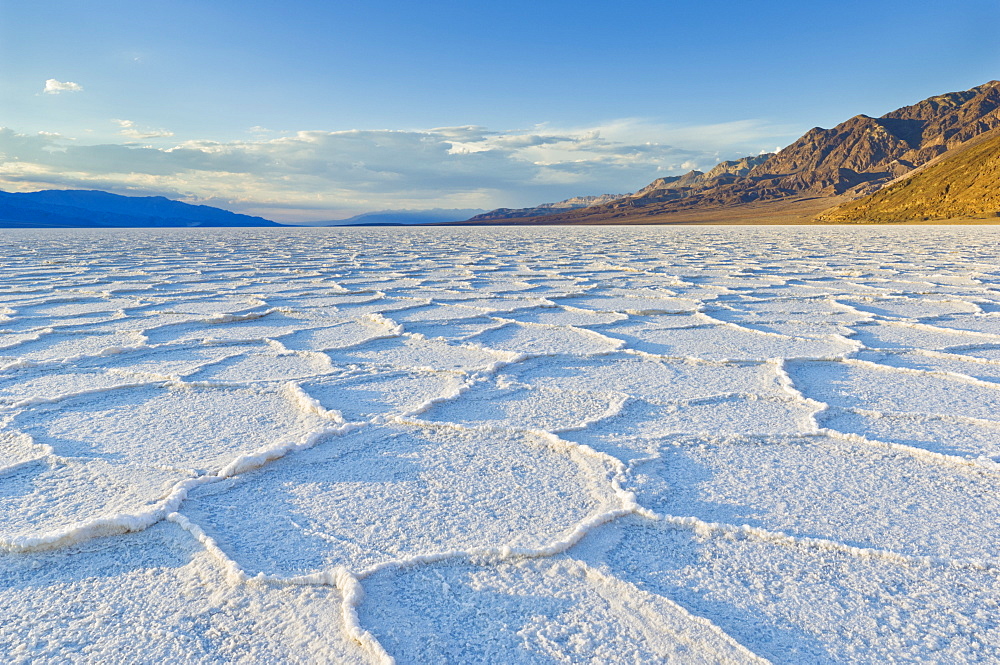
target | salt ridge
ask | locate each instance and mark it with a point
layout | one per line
(773, 268)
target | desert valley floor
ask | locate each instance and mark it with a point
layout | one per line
(608, 445)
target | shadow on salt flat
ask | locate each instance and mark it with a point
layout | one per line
(723, 342)
(808, 318)
(816, 310)
(985, 351)
(362, 396)
(499, 286)
(38, 499)
(545, 340)
(62, 308)
(162, 547)
(533, 611)
(501, 305)
(891, 335)
(421, 354)
(381, 494)
(132, 323)
(988, 324)
(560, 316)
(180, 360)
(389, 306)
(935, 433)
(657, 322)
(901, 307)
(332, 335)
(553, 410)
(159, 597)
(822, 331)
(209, 306)
(11, 338)
(989, 306)
(16, 449)
(822, 488)
(268, 326)
(455, 330)
(797, 604)
(18, 324)
(914, 359)
(48, 382)
(651, 379)
(631, 304)
(641, 427)
(439, 313)
(434, 615)
(329, 303)
(186, 427)
(855, 385)
(265, 365)
(59, 345)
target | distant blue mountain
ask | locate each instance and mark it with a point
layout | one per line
(404, 217)
(77, 208)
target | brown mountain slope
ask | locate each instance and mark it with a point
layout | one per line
(853, 159)
(547, 208)
(964, 183)
(866, 150)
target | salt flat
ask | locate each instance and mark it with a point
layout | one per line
(608, 445)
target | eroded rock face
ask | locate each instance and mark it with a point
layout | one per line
(875, 148)
(861, 150)
(857, 157)
(962, 184)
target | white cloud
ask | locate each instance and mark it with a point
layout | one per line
(326, 174)
(54, 87)
(129, 130)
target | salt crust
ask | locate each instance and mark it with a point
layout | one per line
(540, 445)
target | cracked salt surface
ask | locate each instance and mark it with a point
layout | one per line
(609, 445)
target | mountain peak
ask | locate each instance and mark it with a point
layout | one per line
(960, 184)
(852, 159)
(574, 203)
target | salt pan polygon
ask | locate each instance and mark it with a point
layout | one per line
(614, 444)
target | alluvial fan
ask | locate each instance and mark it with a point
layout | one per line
(621, 445)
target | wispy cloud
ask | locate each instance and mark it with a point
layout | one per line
(317, 174)
(54, 87)
(130, 130)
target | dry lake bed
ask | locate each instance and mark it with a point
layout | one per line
(511, 445)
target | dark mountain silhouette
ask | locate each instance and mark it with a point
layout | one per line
(94, 209)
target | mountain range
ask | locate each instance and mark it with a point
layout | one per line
(548, 208)
(77, 208)
(934, 160)
(964, 183)
(822, 169)
(404, 217)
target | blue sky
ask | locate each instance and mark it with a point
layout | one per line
(320, 110)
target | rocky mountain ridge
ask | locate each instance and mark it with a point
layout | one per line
(574, 203)
(402, 217)
(853, 159)
(679, 187)
(963, 183)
